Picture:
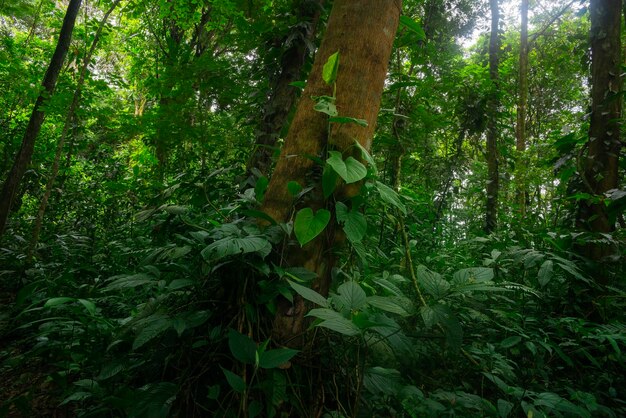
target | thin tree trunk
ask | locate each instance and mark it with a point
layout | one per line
(492, 134)
(600, 172)
(522, 100)
(68, 120)
(363, 32)
(283, 94)
(25, 153)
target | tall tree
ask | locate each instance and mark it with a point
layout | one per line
(600, 171)
(36, 120)
(283, 94)
(492, 132)
(69, 117)
(522, 101)
(363, 33)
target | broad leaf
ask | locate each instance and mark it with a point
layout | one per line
(432, 282)
(329, 72)
(274, 358)
(335, 321)
(309, 294)
(235, 382)
(242, 347)
(351, 296)
(545, 272)
(354, 223)
(390, 196)
(473, 275)
(307, 225)
(234, 245)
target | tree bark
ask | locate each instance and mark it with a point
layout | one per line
(283, 95)
(600, 172)
(68, 120)
(522, 101)
(363, 32)
(25, 153)
(492, 133)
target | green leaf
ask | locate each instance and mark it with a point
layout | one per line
(298, 84)
(155, 326)
(413, 26)
(354, 223)
(387, 304)
(545, 272)
(350, 170)
(307, 225)
(260, 188)
(335, 322)
(235, 382)
(355, 170)
(242, 347)
(366, 156)
(326, 104)
(125, 281)
(511, 341)
(329, 181)
(89, 305)
(335, 160)
(351, 296)
(57, 301)
(473, 275)
(180, 284)
(329, 72)
(434, 314)
(294, 188)
(432, 282)
(234, 245)
(274, 358)
(346, 119)
(504, 408)
(390, 196)
(309, 294)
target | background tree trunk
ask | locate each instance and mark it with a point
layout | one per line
(492, 133)
(283, 95)
(36, 120)
(522, 101)
(600, 172)
(363, 32)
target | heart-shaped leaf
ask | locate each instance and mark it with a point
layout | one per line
(308, 225)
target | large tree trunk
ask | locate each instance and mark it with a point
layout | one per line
(600, 172)
(36, 120)
(522, 101)
(492, 133)
(66, 126)
(363, 32)
(283, 95)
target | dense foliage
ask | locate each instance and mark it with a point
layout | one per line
(152, 287)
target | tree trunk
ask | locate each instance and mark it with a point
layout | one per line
(522, 100)
(283, 94)
(36, 120)
(492, 133)
(68, 120)
(600, 172)
(363, 32)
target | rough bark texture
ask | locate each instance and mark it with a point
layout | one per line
(492, 133)
(66, 126)
(36, 120)
(363, 32)
(283, 95)
(603, 148)
(522, 101)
